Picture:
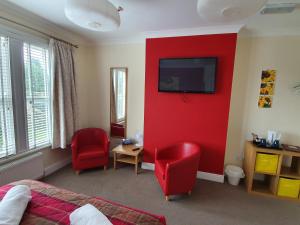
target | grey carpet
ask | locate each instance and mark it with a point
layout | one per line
(210, 204)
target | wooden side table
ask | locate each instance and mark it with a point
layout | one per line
(125, 154)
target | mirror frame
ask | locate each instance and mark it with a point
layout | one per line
(126, 99)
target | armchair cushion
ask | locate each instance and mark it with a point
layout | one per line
(90, 152)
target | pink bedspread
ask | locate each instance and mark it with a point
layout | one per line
(51, 205)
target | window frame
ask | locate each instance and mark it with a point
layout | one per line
(16, 42)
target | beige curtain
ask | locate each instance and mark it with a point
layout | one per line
(64, 104)
(113, 108)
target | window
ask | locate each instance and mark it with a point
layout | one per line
(25, 116)
(37, 95)
(7, 137)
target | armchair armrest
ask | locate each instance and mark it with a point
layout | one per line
(180, 163)
(105, 141)
(106, 144)
(74, 146)
(182, 167)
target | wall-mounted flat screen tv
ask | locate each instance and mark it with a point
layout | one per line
(188, 75)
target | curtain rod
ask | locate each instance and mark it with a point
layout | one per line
(36, 30)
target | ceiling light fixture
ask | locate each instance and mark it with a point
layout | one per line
(228, 10)
(97, 15)
(278, 8)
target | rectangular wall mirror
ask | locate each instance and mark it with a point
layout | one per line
(118, 102)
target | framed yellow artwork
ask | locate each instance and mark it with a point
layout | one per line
(268, 76)
(265, 102)
(267, 88)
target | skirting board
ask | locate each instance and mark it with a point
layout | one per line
(56, 166)
(200, 175)
(210, 176)
(148, 166)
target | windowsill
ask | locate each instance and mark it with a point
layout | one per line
(22, 154)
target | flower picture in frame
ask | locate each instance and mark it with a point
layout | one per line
(268, 76)
(267, 88)
(265, 101)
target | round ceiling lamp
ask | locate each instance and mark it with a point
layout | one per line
(97, 15)
(228, 10)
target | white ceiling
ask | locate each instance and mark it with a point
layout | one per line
(156, 15)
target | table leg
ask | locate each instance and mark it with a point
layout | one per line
(136, 165)
(115, 160)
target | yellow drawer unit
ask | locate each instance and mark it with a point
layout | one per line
(288, 188)
(266, 163)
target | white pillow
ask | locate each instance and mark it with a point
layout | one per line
(14, 204)
(88, 215)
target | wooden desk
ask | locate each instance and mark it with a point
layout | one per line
(125, 154)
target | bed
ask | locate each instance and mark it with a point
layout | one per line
(52, 206)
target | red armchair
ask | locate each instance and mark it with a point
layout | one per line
(117, 130)
(90, 148)
(176, 168)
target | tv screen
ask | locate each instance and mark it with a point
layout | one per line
(188, 75)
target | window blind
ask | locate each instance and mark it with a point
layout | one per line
(37, 85)
(7, 137)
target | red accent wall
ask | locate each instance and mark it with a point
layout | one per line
(202, 118)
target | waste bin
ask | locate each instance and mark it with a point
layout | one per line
(234, 174)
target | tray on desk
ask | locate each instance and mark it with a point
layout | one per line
(292, 148)
(268, 146)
